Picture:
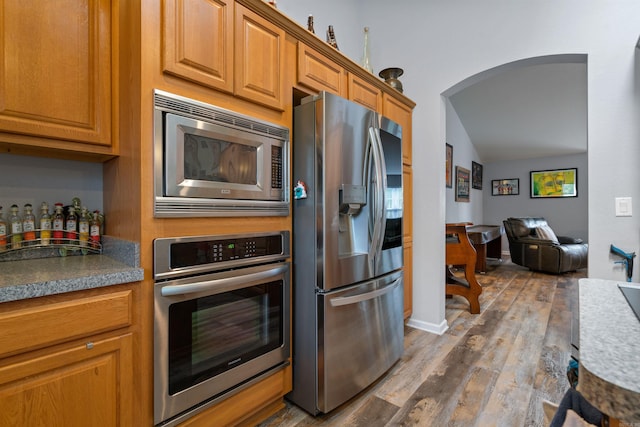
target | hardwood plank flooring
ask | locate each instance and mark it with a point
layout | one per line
(488, 369)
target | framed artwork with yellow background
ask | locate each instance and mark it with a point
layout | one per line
(554, 183)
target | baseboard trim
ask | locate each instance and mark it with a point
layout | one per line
(433, 328)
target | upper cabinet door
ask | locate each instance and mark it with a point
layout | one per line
(401, 114)
(259, 59)
(55, 74)
(198, 41)
(365, 93)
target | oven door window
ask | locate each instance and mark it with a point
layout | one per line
(213, 334)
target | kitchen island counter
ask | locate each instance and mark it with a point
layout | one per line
(30, 278)
(609, 374)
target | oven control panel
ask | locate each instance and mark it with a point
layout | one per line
(217, 252)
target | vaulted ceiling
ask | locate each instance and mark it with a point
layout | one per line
(528, 111)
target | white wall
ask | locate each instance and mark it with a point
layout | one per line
(463, 154)
(567, 216)
(25, 179)
(440, 43)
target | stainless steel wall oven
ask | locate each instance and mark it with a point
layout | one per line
(221, 318)
(209, 161)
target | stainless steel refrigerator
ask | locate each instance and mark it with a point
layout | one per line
(347, 250)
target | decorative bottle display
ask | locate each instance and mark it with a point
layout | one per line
(71, 225)
(39, 233)
(16, 228)
(366, 61)
(3, 232)
(310, 24)
(29, 225)
(83, 227)
(45, 224)
(58, 224)
(331, 37)
(94, 231)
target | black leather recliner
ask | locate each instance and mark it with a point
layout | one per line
(533, 244)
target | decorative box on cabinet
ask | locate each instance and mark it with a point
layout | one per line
(58, 361)
(317, 72)
(364, 93)
(56, 77)
(197, 41)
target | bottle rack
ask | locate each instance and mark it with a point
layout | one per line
(55, 247)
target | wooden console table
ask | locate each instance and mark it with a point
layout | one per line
(487, 240)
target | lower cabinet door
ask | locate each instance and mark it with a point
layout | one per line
(81, 385)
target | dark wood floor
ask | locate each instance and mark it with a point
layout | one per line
(489, 369)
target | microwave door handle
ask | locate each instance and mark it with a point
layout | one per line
(354, 299)
(221, 285)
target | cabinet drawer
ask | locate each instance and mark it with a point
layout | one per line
(41, 326)
(317, 72)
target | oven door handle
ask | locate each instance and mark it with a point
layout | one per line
(222, 285)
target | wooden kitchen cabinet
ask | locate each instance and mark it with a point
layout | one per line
(259, 59)
(407, 238)
(317, 72)
(197, 41)
(57, 79)
(77, 385)
(364, 93)
(400, 113)
(68, 360)
(407, 250)
(224, 46)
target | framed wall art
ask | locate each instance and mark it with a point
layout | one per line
(449, 165)
(463, 187)
(505, 187)
(476, 175)
(554, 183)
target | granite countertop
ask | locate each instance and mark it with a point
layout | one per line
(609, 374)
(34, 277)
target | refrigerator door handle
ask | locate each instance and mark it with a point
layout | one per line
(381, 185)
(354, 299)
(373, 154)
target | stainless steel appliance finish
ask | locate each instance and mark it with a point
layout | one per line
(209, 161)
(221, 318)
(347, 231)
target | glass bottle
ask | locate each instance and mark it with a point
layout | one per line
(58, 224)
(45, 224)
(366, 60)
(28, 225)
(83, 227)
(3, 232)
(94, 231)
(16, 228)
(71, 226)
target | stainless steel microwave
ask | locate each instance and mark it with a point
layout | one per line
(209, 161)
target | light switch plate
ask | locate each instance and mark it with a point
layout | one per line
(623, 206)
